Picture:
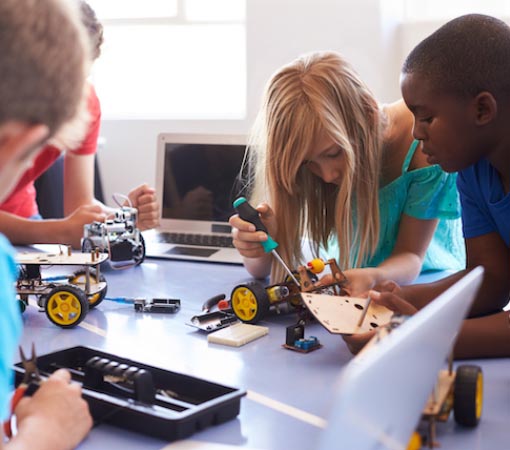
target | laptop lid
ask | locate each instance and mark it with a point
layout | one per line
(196, 183)
(382, 392)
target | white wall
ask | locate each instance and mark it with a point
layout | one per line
(366, 31)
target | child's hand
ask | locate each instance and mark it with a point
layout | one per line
(359, 281)
(246, 239)
(393, 302)
(325, 280)
(144, 199)
(355, 342)
(72, 226)
(391, 287)
(56, 416)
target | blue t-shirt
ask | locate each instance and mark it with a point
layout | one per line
(425, 193)
(10, 324)
(485, 206)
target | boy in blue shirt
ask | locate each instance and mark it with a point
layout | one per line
(43, 65)
(456, 83)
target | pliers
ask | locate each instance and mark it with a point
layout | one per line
(31, 378)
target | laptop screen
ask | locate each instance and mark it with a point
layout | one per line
(200, 180)
(381, 393)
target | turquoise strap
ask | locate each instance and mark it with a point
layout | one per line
(409, 156)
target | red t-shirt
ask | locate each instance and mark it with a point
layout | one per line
(22, 200)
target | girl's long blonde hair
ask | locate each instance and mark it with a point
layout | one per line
(318, 93)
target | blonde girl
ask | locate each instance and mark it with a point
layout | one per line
(329, 163)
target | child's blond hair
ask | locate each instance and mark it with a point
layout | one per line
(317, 93)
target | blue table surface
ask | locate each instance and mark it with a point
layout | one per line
(288, 392)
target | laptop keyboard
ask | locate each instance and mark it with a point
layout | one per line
(196, 239)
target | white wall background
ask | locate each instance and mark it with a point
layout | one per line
(367, 32)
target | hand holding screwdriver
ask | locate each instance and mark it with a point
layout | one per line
(250, 214)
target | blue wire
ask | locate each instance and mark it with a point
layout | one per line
(112, 299)
(58, 278)
(120, 299)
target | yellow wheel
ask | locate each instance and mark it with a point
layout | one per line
(468, 395)
(66, 306)
(250, 302)
(79, 278)
(415, 442)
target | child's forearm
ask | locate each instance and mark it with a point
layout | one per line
(491, 297)
(21, 231)
(484, 337)
(258, 267)
(422, 294)
(402, 268)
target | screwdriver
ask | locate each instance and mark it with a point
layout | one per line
(250, 214)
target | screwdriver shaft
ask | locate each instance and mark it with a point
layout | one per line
(280, 260)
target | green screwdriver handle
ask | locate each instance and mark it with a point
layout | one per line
(250, 214)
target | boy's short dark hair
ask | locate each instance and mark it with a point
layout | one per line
(466, 56)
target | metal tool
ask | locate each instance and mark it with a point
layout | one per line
(217, 300)
(364, 313)
(250, 214)
(31, 377)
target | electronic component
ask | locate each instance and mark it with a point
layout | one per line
(295, 339)
(162, 305)
(213, 321)
(237, 334)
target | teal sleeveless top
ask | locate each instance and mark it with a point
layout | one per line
(424, 193)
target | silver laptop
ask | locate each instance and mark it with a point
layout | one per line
(196, 183)
(382, 392)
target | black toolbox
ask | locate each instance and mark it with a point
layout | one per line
(142, 398)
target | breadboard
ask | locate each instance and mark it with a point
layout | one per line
(237, 334)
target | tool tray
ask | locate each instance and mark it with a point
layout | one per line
(142, 398)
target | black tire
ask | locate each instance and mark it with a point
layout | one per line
(87, 245)
(78, 278)
(22, 305)
(250, 302)
(468, 395)
(66, 306)
(139, 253)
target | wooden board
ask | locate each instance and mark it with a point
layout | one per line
(340, 315)
(75, 259)
(438, 397)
